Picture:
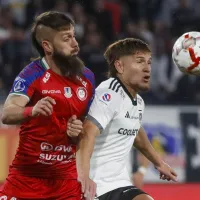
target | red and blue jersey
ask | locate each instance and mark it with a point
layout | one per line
(44, 149)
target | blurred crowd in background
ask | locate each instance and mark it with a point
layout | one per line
(98, 23)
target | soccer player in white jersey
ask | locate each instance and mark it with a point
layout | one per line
(113, 125)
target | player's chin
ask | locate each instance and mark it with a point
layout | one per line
(73, 54)
(145, 86)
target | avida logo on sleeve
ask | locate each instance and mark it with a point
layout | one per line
(106, 97)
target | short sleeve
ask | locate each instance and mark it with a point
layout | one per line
(104, 107)
(90, 77)
(24, 82)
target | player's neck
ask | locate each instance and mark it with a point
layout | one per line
(52, 65)
(128, 87)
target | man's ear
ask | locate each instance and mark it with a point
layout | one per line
(47, 46)
(119, 66)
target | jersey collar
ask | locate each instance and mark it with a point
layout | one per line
(44, 63)
(134, 100)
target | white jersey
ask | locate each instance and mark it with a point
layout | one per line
(118, 116)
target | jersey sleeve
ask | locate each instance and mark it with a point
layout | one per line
(90, 76)
(104, 107)
(24, 82)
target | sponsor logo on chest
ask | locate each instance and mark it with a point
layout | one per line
(81, 92)
(51, 92)
(128, 132)
(129, 116)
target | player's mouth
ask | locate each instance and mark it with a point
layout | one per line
(75, 51)
(146, 78)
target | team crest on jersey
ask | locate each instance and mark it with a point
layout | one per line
(106, 97)
(67, 92)
(3, 197)
(81, 93)
(19, 85)
(140, 116)
(139, 100)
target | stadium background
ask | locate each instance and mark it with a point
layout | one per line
(172, 112)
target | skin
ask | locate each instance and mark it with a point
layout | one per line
(134, 71)
(63, 41)
(138, 177)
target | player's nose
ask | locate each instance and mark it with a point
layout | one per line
(74, 43)
(147, 68)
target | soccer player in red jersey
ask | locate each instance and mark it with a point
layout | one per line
(48, 94)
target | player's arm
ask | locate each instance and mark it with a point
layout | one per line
(86, 146)
(143, 144)
(15, 110)
(138, 176)
(143, 163)
(84, 153)
(101, 112)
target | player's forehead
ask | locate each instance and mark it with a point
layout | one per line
(66, 31)
(143, 55)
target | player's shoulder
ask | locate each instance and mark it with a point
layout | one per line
(140, 101)
(108, 89)
(111, 84)
(27, 77)
(32, 71)
(89, 75)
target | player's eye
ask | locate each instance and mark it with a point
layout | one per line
(140, 61)
(66, 39)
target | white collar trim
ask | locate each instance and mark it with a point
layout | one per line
(45, 63)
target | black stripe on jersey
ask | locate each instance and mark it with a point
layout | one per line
(112, 83)
(139, 110)
(118, 88)
(115, 85)
(134, 101)
(113, 88)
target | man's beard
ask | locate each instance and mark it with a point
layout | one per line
(69, 66)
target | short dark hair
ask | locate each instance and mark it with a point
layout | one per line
(125, 47)
(55, 20)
